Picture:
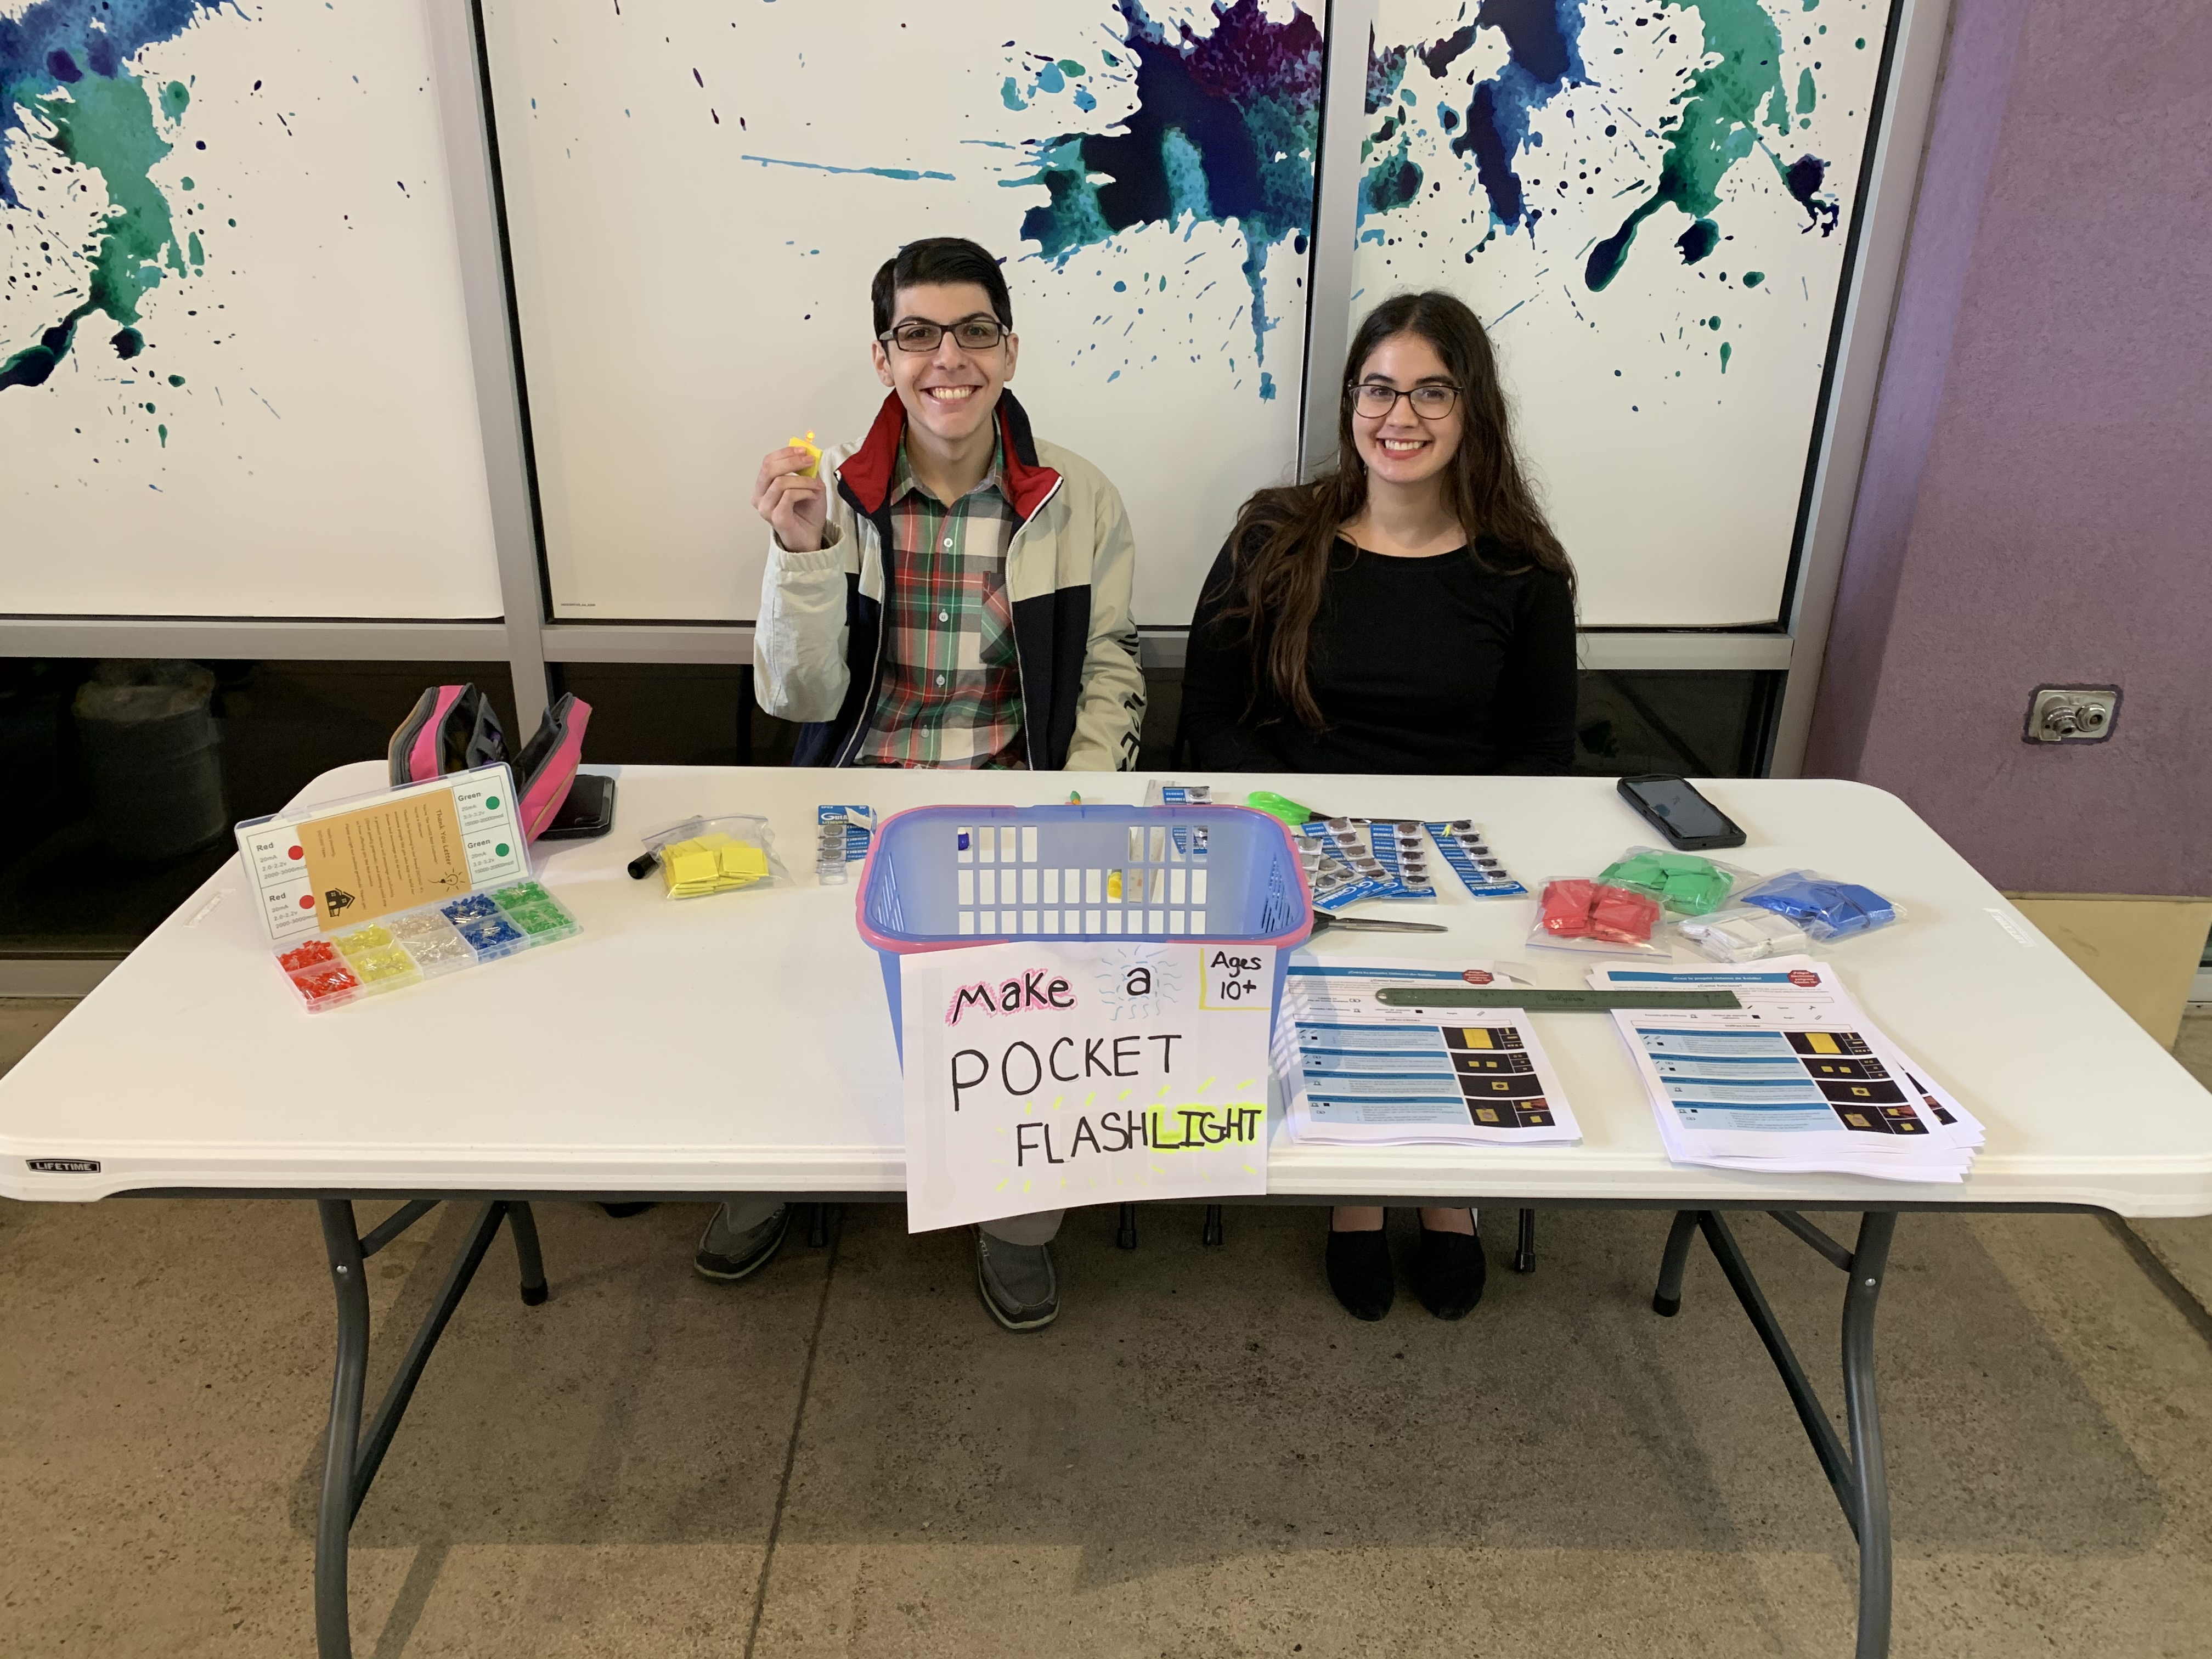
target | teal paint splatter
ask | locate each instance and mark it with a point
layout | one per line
(1753, 278)
(1225, 131)
(908, 174)
(1735, 105)
(1727, 351)
(64, 65)
(1737, 91)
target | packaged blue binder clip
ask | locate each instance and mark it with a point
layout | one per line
(1824, 908)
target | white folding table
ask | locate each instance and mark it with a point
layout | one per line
(742, 1044)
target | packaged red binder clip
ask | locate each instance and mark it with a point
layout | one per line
(1576, 913)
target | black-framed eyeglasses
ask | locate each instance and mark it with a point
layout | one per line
(969, 334)
(1431, 402)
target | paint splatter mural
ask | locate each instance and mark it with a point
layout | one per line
(1224, 129)
(1646, 203)
(1144, 169)
(66, 82)
(206, 208)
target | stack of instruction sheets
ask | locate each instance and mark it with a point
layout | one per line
(1798, 1080)
(1355, 1072)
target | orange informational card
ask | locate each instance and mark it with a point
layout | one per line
(354, 860)
(394, 855)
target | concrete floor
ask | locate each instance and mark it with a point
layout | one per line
(1203, 1458)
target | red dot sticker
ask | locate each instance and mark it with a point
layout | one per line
(1804, 977)
(1476, 975)
(297, 852)
(307, 901)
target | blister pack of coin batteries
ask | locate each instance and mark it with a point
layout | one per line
(1480, 870)
(1348, 860)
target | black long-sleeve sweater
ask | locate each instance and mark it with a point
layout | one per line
(1429, 664)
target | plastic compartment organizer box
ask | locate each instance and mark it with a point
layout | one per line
(938, 878)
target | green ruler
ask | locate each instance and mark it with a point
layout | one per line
(1550, 1002)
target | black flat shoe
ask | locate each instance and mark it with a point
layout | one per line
(1359, 1272)
(1449, 1272)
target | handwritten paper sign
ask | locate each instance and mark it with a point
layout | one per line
(1042, 1074)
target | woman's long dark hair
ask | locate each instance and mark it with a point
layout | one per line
(1280, 550)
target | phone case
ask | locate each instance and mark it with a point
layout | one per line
(587, 813)
(1731, 837)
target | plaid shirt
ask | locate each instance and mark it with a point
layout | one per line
(950, 694)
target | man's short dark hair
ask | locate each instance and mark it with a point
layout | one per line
(940, 260)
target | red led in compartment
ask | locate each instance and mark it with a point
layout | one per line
(319, 983)
(313, 954)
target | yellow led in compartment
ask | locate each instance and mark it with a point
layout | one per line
(363, 940)
(1113, 885)
(389, 964)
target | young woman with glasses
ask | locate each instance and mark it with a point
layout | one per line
(1409, 610)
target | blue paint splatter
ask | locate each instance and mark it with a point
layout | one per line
(908, 174)
(66, 63)
(1224, 131)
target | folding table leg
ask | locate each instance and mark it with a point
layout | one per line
(526, 1254)
(1870, 1264)
(1210, 1233)
(1524, 1248)
(1859, 1476)
(1126, 1234)
(1666, 1300)
(334, 1519)
(353, 1453)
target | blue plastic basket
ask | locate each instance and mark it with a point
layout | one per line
(942, 878)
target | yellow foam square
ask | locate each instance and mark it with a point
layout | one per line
(688, 862)
(742, 862)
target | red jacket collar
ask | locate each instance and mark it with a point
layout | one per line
(865, 476)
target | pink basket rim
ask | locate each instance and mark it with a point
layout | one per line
(1289, 939)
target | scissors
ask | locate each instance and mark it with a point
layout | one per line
(1374, 924)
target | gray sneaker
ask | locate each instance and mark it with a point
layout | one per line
(726, 1255)
(1017, 1282)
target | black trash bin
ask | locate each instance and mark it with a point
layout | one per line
(153, 757)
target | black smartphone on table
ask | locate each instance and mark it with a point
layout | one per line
(588, 814)
(1670, 805)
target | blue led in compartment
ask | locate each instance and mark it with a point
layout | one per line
(475, 906)
(493, 936)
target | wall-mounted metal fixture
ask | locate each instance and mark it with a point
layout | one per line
(2071, 713)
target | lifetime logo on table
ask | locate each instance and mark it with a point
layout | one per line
(1043, 1073)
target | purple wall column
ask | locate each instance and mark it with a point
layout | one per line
(2036, 503)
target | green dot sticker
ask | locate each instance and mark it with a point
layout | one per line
(491, 803)
(500, 851)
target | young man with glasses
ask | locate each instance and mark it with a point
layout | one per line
(949, 591)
